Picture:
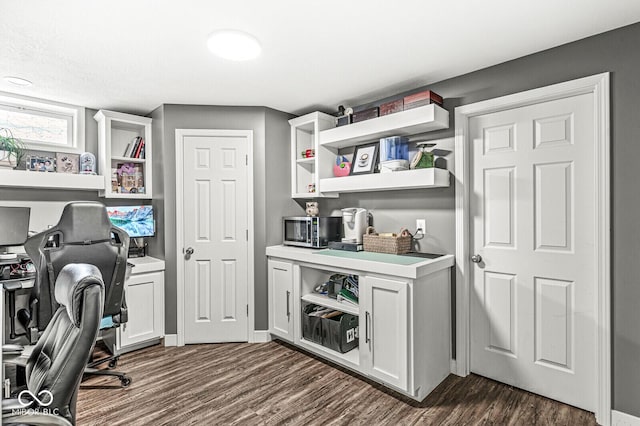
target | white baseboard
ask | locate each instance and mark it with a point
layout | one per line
(261, 336)
(171, 340)
(619, 418)
(453, 365)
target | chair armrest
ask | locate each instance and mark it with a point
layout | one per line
(12, 349)
(38, 419)
(9, 404)
(14, 354)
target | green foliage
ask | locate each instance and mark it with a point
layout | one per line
(11, 144)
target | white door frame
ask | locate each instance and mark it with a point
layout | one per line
(598, 85)
(180, 134)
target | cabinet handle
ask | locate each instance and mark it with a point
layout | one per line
(288, 311)
(366, 327)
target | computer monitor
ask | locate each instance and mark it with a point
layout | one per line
(14, 225)
(14, 229)
(137, 221)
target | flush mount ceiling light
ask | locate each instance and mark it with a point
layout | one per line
(234, 45)
(17, 81)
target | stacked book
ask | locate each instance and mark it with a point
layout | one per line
(350, 291)
(135, 148)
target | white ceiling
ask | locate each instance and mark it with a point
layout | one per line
(133, 56)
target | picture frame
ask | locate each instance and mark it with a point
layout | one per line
(365, 159)
(67, 163)
(39, 163)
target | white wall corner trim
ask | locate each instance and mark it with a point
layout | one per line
(598, 85)
(618, 418)
(170, 340)
(261, 336)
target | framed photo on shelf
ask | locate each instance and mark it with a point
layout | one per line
(365, 159)
(67, 163)
(38, 163)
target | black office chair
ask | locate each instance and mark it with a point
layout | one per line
(56, 364)
(83, 234)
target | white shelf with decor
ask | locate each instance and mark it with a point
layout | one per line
(316, 131)
(126, 172)
(404, 123)
(304, 169)
(64, 181)
(407, 179)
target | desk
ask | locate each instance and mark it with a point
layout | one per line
(13, 285)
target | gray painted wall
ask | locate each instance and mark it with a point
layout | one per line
(270, 145)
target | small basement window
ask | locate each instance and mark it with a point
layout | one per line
(42, 124)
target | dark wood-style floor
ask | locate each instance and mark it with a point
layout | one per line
(272, 383)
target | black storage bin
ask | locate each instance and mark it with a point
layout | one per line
(340, 333)
(311, 326)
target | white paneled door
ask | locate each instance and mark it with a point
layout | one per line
(533, 225)
(215, 233)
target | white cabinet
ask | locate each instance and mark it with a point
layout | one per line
(145, 302)
(281, 316)
(144, 294)
(385, 349)
(403, 313)
(126, 174)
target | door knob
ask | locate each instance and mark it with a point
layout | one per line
(188, 252)
(476, 258)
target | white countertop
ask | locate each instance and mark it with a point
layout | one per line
(146, 264)
(420, 268)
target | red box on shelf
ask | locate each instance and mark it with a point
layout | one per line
(422, 98)
(365, 114)
(391, 107)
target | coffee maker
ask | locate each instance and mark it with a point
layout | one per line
(354, 222)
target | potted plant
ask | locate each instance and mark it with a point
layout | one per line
(11, 149)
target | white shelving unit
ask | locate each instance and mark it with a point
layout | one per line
(304, 136)
(408, 179)
(405, 123)
(316, 131)
(116, 131)
(63, 181)
(328, 302)
(349, 359)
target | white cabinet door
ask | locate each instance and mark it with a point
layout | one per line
(281, 299)
(385, 346)
(145, 302)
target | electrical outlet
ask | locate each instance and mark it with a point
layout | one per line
(421, 224)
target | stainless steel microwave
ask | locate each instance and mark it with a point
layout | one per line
(312, 232)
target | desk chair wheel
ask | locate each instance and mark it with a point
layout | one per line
(113, 363)
(125, 381)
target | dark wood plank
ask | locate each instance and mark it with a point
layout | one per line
(274, 384)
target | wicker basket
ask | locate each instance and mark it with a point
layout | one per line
(396, 244)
